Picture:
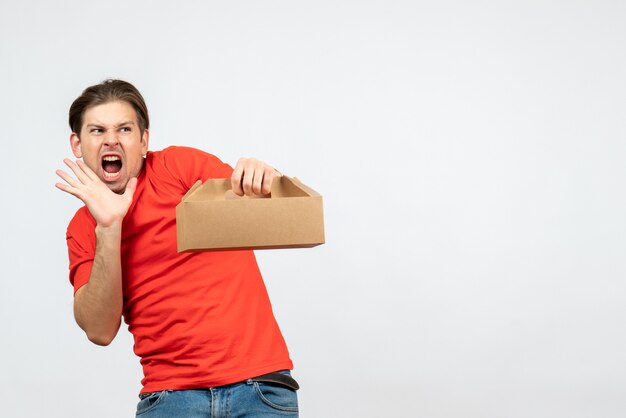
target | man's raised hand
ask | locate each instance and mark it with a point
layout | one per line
(105, 206)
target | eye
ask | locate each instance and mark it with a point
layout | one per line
(95, 131)
(126, 129)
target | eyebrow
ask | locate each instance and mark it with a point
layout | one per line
(98, 125)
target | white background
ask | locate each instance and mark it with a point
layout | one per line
(472, 159)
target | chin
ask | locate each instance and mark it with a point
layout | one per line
(117, 187)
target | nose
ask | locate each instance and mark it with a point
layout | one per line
(111, 139)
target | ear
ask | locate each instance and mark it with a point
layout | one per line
(144, 142)
(75, 144)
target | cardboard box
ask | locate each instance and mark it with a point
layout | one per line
(211, 217)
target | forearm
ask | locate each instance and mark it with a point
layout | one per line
(98, 304)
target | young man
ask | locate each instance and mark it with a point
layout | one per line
(202, 322)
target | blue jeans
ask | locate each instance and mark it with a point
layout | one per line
(241, 400)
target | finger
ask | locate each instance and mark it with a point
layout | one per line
(68, 179)
(268, 179)
(88, 171)
(63, 187)
(80, 174)
(131, 186)
(67, 189)
(248, 178)
(237, 177)
(257, 181)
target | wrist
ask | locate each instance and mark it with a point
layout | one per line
(113, 228)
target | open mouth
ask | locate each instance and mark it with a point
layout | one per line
(111, 166)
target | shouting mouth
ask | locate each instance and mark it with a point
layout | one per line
(111, 167)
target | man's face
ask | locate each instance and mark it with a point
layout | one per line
(111, 144)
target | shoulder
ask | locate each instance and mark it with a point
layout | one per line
(187, 162)
(82, 224)
(177, 152)
(82, 218)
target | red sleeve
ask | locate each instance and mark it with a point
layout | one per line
(81, 247)
(190, 165)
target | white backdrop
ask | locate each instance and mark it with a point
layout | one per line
(471, 155)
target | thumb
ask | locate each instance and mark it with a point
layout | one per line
(131, 186)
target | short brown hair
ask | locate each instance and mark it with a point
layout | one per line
(108, 91)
